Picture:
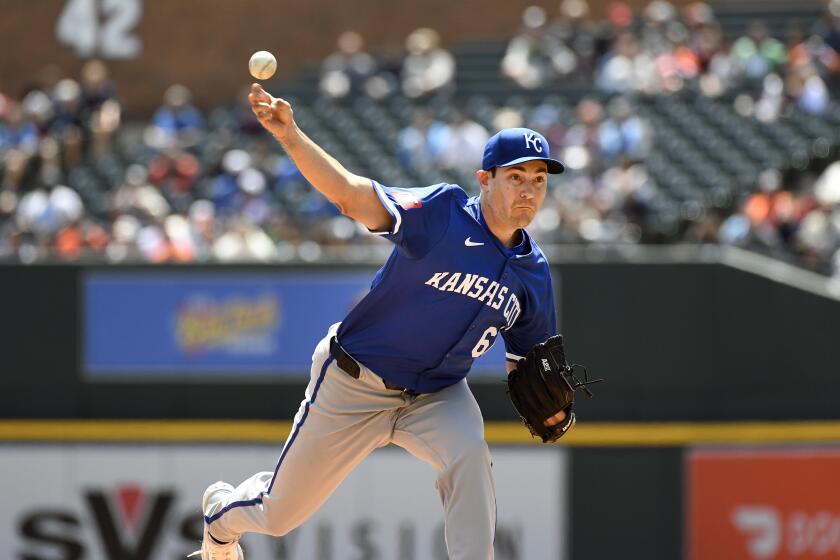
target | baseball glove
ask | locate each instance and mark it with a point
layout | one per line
(542, 385)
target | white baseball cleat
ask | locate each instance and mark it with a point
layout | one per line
(210, 549)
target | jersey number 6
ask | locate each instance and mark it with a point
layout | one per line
(485, 342)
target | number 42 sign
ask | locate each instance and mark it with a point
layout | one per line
(104, 28)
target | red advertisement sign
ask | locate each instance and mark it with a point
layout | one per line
(763, 504)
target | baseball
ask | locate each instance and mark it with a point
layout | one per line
(262, 65)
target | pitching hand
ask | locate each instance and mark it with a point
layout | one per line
(274, 114)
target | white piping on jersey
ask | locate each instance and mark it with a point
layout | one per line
(389, 206)
(513, 357)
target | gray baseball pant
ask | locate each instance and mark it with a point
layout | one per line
(339, 423)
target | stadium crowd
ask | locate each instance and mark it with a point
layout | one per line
(192, 185)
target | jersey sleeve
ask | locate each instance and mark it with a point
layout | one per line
(421, 216)
(537, 322)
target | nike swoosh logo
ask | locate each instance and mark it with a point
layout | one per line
(469, 243)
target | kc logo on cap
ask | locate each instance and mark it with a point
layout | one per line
(506, 148)
(531, 138)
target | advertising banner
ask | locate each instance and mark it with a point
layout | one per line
(764, 504)
(166, 325)
(74, 501)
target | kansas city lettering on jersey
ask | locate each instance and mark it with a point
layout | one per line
(489, 292)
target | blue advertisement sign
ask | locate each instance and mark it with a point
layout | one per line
(167, 325)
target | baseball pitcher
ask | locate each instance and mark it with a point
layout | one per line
(463, 272)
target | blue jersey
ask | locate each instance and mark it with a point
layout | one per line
(446, 292)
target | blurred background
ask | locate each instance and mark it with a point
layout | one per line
(166, 272)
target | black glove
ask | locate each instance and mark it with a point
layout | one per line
(542, 385)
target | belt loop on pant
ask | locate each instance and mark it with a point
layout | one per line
(344, 360)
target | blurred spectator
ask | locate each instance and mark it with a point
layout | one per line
(659, 27)
(420, 144)
(16, 131)
(387, 80)
(38, 109)
(203, 227)
(244, 242)
(831, 32)
(582, 140)
(175, 173)
(679, 65)
(534, 56)
(825, 42)
(827, 186)
(770, 211)
(348, 69)
(583, 40)
(626, 68)
(68, 123)
(152, 243)
(101, 108)
(139, 197)
(719, 71)
(757, 53)
(43, 213)
(18, 143)
(252, 202)
(67, 102)
(808, 89)
(428, 67)
(104, 123)
(620, 16)
(769, 106)
(698, 15)
(97, 87)
(817, 236)
(798, 48)
(623, 135)
(706, 40)
(177, 123)
(225, 184)
(463, 146)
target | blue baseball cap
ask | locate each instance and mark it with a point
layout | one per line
(517, 145)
